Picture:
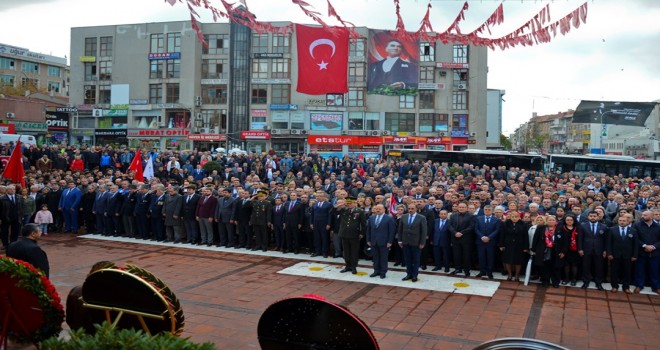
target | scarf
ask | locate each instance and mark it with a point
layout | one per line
(549, 234)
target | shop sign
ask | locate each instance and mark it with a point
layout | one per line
(66, 109)
(207, 137)
(344, 140)
(214, 81)
(255, 135)
(87, 58)
(157, 132)
(110, 133)
(271, 81)
(431, 86)
(435, 141)
(316, 102)
(258, 112)
(165, 56)
(7, 128)
(137, 102)
(89, 132)
(268, 55)
(452, 65)
(57, 121)
(30, 126)
(288, 107)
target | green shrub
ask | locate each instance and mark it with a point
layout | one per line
(107, 338)
(212, 165)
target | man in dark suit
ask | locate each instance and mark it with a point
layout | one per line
(649, 254)
(622, 248)
(411, 235)
(352, 227)
(113, 212)
(591, 247)
(461, 228)
(430, 216)
(156, 213)
(70, 206)
(142, 203)
(277, 223)
(243, 214)
(392, 71)
(28, 250)
(13, 206)
(225, 215)
(321, 220)
(128, 210)
(487, 229)
(441, 242)
(172, 215)
(380, 234)
(204, 214)
(189, 220)
(260, 218)
(293, 220)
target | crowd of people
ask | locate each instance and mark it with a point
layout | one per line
(454, 218)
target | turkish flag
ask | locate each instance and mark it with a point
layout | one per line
(14, 170)
(136, 166)
(322, 60)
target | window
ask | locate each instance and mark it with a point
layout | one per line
(173, 42)
(157, 43)
(90, 71)
(406, 101)
(355, 120)
(105, 70)
(427, 74)
(215, 69)
(27, 82)
(459, 100)
(259, 94)
(460, 76)
(155, 93)
(218, 44)
(356, 97)
(356, 71)
(281, 43)
(426, 52)
(90, 46)
(400, 122)
(426, 99)
(54, 71)
(54, 86)
(214, 94)
(29, 67)
(259, 43)
(156, 69)
(7, 63)
(90, 94)
(173, 69)
(104, 94)
(106, 46)
(6, 79)
(459, 123)
(280, 119)
(372, 121)
(260, 69)
(460, 53)
(430, 122)
(280, 94)
(356, 47)
(213, 118)
(172, 93)
(280, 69)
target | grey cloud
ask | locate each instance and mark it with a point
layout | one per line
(10, 5)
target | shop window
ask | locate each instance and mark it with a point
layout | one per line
(259, 94)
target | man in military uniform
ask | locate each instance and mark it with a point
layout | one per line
(352, 227)
(260, 218)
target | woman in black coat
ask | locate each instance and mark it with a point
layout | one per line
(549, 248)
(514, 244)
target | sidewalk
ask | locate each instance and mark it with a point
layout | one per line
(223, 295)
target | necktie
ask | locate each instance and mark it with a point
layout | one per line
(188, 200)
(442, 224)
(13, 200)
(487, 220)
(378, 220)
(319, 204)
(290, 207)
(278, 209)
(244, 201)
(623, 232)
(410, 220)
(205, 198)
(593, 228)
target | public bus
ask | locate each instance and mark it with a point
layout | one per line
(492, 158)
(611, 165)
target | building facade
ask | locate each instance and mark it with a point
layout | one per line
(157, 85)
(22, 68)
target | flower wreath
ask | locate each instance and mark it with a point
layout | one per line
(35, 282)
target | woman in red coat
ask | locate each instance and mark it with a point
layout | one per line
(77, 164)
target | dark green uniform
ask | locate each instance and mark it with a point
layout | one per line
(259, 219)
(353, 224)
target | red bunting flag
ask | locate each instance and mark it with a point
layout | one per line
(393, 204)
(322, 60)
(14, 170)
(136, 167)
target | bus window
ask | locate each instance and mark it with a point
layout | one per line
(635, 171)
(610, 169)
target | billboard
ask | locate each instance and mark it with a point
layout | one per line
(326, 121)
(393, 65)
(608, 112)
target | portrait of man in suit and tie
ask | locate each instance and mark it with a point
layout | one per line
(392, 65)
(411, 235)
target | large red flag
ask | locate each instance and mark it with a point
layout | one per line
(393, 203)
(14, 170)
(136, 166)
(322, 60)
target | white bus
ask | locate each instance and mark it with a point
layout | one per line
(27, 140)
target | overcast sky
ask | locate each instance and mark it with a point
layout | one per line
(614, 56)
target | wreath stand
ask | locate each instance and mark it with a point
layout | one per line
(121, 311)
(7, 314)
